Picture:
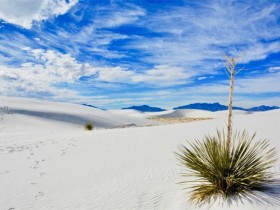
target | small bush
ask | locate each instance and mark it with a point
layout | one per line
(232, 172)
(89, 126)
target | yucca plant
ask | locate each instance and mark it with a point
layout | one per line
(230, 167)
(231, 172)
(89, 126)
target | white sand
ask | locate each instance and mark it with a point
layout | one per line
(48, 161)
(193, 113)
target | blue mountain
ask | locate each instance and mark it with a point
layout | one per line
(207, 106)
(262, 108)
(218, 107)
(146, 108)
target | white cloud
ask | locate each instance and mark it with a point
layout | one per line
(24, 12)
(116, 74)
(163, 75)
(41, 77)
(95, 37)
(259, 51)
(49, 69)
(198, 36)
(13, 45)
(201, 78)
(59, 67)
(259, 84)
(116, 16)
(274, 69)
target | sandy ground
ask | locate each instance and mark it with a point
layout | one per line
(48, 160)
(166, 120)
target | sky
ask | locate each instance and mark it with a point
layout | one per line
(119, 53)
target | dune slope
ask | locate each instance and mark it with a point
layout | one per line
(65, 167)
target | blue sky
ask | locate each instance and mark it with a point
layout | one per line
(118, 53)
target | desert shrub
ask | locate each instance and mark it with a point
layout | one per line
(89, 126)
(228, 172)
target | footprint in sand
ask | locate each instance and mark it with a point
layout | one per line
(63, 151)
(54, 142)
(71, 144)
(42, 174)
(40, 194)
(141, 199)
(36, 165)
(5, 172)
(156, 200)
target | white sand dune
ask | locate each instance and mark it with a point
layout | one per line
(127, 112)
(69, 115)
(48, 161)
(193, 113)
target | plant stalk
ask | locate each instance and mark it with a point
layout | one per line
(229, 125)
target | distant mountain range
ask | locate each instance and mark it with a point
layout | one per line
(202, 106)
(146, 108)
(262, 108)
(206, 106)
(218, 107)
